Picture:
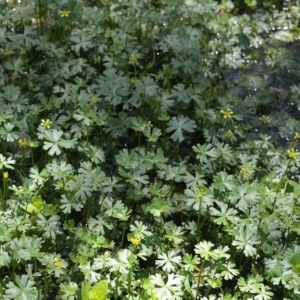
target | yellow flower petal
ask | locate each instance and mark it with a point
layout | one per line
(292, 153)
(265, 119)
(46, 123)
(59, 264)
(227, 113)
(64, 13)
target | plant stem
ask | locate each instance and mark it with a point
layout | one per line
(129, 282)
(37, 282)
(123, 234)
(198, 220)
(4, 196)
(199, 278)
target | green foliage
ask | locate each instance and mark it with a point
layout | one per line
(149, 150)
(97, 292)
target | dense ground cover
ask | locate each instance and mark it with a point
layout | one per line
(149, 150)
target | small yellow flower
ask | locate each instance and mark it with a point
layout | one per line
(244, 172)
(227, 114)
(149, 125)
(134, 58)
(94, 100)
(5, 175)
(22, 143)
(46, 123)
(296, 136)
(228, 134)
(265, 119)
(59, 264)
(292, 153)
(6, 51)
(133, 80)
(135, 240)
(64, 13)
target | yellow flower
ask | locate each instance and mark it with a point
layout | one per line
(6, 51)
(296, 136)
(46, 123)
(133, 80)
(227, 114)
(5, 175)
(134, 58)
(149, 125)
(292, 153)
(22, 143)
(59, 264)
(135, 240)
(228, 134)
(265, 119)
(64, 13)
(94, 99)
(244, 172)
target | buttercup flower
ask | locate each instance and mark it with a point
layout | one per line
(64, 13)
(6, 51)
(134, 58)
(135, 240)
(292, 153)
(94, 100)
(133, 80)
(227, 113)
(265, 119)
(149, 125)
(228, 134)
(5, 175)
(46, 123)
(22, 143)
(244, 172)
(296, 136)
(59, 264)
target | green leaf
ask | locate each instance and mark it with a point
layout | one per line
(225, 215)
(70, 202)
(85, 291)
(81, 186)
(251, 3)
(54, 138)
(147, 86)
(223, 181)
(175, 173)
(295, 261)
(38, 177)
(36, 205)
(135, 176)
(180, 93)
(245, 239)
(178, 125)
(16, 65)
(168, 261)
(98, 292)
(157, 207)
(225, 153)
(199, 199)
(8, 133)
(22, 289)
(49, 226)
(6, 162)
(152, 135)
(205, 152)
(138, 124)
